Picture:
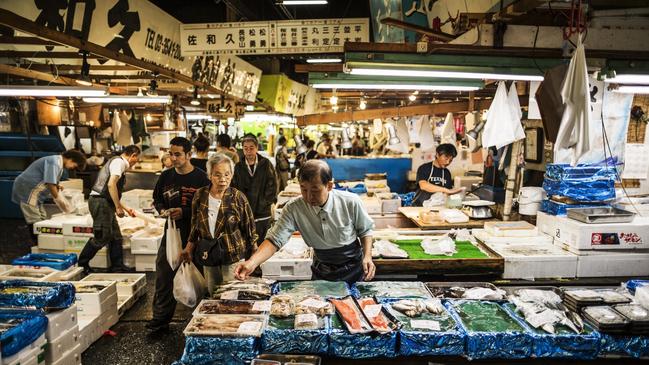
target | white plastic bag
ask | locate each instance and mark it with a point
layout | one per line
(174, 244)
(189, 285)
(442, 246)
(435, 200)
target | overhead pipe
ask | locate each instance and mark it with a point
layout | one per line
(620, 12)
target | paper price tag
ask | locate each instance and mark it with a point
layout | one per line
(306, 318)
(425, 324)
(230, 295)
(261, 306)
(372, 310)
(249, 327)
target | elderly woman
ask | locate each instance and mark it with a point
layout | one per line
(223, 227)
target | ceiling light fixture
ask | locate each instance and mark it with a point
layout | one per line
(62, 91)
(362, 105)
(302, 2)
(333, 100)
(412, 97)
(250, 108)
(126, 99)
(153, 85)
(84, 79)
(380, 86)
(195, 100)
(324, 60)
(400, 72)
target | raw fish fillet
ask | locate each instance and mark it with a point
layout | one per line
(379, 322)
(351, 315)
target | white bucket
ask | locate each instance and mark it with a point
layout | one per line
(529, 200)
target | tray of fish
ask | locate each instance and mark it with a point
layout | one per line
(638, 316)
(322, 288)
(369, 344)
(416, 307)
(252, 289)
(483, 316)
(226, 325)
(466, 290)
(314, 304)
(606, 319)
(380, 319)
(544, 312)
(392, 289)
(303, 333)
(351, 315)
(577, 298)
(224, 306)
(282, 306)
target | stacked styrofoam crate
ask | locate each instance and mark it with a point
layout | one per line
(76, 234)
(33, 354)
(97, 311)
(292, 262)
(50, 233)
(138, 199)
(64, 345)
(145, 249)
(130, 288)
(29, 273)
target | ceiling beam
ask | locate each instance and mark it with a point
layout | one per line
(332, 67)
(406, 111)
(77, 68)
(444, 37)
(380, 47)
(26, 40)
(48, 77)
(41, 54)
(25, 25)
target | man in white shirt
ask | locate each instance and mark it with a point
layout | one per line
(104, 203)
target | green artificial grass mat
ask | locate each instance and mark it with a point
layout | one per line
(465, 250)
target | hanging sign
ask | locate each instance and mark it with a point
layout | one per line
(139, 29)
(219, 109)
(287, 96)
(273, 37)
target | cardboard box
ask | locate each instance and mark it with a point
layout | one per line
(72, 357)
(57, 348)
(145, 263)
(609, 236)
(142, 244)
(96, 303)
(51, 241)
(61, 321)
(127, 284)
(531, 261)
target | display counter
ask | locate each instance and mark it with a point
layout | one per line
(412, 213)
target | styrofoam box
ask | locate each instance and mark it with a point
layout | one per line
(529, 261)
(129, 258)
(58, 347)
(138, 198)
(24, 273)
(88, 331)
(126, 303)
(81, 226)
(484, 236)
(100, 260)
(287, 269)
(75, 243)
(372, 205)
(390, 203)
(33, 353)
(145, 263)
(61, 321)
(610, 236)
(141, 245)
(108, 320)
(72, 357)
(608, 264)
(51, 241)
(96, 303)
(511, 229)
(127, 284)
(49, 226)
(73, 273)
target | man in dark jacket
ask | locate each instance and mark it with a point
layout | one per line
(255, 177)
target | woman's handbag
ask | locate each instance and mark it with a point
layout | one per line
(211, 251)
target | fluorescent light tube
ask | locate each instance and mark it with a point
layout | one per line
(442, 74)
(199, 117)
(118, 99)
(379, 86)
(324, 60)
(303, 2)
(629, 79)
(632, 90)
(70, 91)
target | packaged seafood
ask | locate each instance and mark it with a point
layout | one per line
(314, 304)
(307, 321)
(455, 290)
(417, 307)
(351, 315)
(544, 311)
(282, 306)
(252, 289)
(634, 312)
(226, 325)
(393, 289)
(604, 315)
(322, 288)
(208, 306)
(376, 315)
(283, 337)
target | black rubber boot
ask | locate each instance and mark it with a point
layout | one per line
(89, 251)
(116, 254)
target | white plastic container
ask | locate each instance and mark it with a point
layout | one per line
(530, 261)
(145, 263)
(51, 241)
(127, 284)
(61, 321)
(529, 200)
(96, 303)
(143, 244)
(57, 348)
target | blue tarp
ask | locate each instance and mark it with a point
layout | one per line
(631, 285)
(279, 337)
(360, 346)
(561, 209)
(54, 260)
(30, 325)
(208, 350)
(588, 183)
(624, 345)
(24, 293)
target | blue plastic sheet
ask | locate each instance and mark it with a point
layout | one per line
(30, 325)
(360, 346)
(560, 209)
(574, 346)
(279, 339)
(356, 189)
(24, 293)
(581, 183)
(624, 345)
(54, 260)
(493, 345)
(208, 350)
(407, 199)
(449, 341)
(323, 288)
(631, 285)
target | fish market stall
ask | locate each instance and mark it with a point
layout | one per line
(440, 218)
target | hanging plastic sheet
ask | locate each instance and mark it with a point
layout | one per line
(20, 328)
(356, 189)
(503, 125)
(624, 345)
(24, 293)
(427, 334)
(633, 284)
(280, 337)
(391, 289)
(490, 331)
(448, 129)
(208, 350)
(563, 343)
(561, 209)
(54, 260)
(360, 346)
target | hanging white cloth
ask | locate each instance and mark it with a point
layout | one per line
(574, 131)
(448, 129)
(503, 125)
(124, 136)
(517, 113)
(116, 124)
(426, 137)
